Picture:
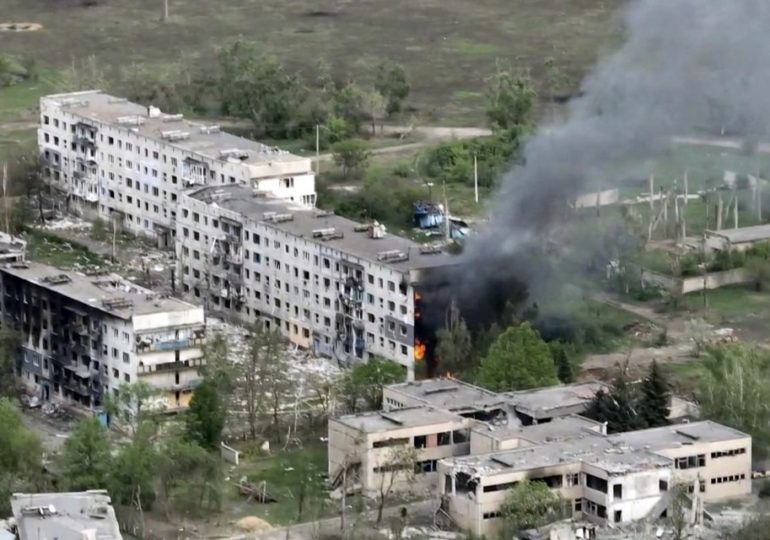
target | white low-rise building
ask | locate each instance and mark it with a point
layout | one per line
(122, 161)
(83, 336)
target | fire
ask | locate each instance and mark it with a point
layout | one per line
(417, 296)
(420, 349)
(449, 375)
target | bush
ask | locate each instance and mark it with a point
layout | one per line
(453, 161)
(99, 229)
(764, 490)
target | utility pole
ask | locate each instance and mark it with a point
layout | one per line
(652, 193)
(114, 236)
(5, 199)
(735, 208)
(165, 10)
(476, 177)
(447, 230)
(686, 190)
(317, 150)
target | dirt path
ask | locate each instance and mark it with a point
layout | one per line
(325, 527)
(720, 142)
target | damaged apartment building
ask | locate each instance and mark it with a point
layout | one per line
(344, 289)
(84, 336)
(471, 446)
(121, 161)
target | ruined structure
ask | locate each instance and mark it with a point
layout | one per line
(122, 161)
(344, 289)
(83, 336)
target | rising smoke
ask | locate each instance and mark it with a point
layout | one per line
(686, 66)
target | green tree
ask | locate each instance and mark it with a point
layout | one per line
(86, 460)
(736, 392)
(350, 155)
(188, 477)
(363, 384)
(256, 86)
(9, 348)
(530, 505)
(454, 348)
(517, 360)
(205, 418)
(374, 105)
(655, 398)
(263, 377)
(348, 105)
(392, 83)
(510, 99)
(135, 403)
(561, 359)
(619, 407)
(132, 477)
(20, 457)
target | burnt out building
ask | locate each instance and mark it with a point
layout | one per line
(84, 336)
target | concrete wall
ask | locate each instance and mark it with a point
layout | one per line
(358, 445)
(717, 468)
(714, 280)
(603, 198)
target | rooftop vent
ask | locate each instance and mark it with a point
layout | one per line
(210, 129)
(393, 255)
(323, 213)
(391, 418)
(280, 218)
(233, 153)
(58, 279)
(174, 135)
(130, 120)
(67, 103)
(430, 250)
(47, 510)
(361, 228)
(172, 117)
(117, 303)
(329, 233)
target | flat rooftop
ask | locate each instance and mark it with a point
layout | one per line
(204, 138)
(678, 435)
(11, 244)
(590, 448)
(740, 235)
(450, 394)
(255, 205)
(539, 402)
(558, 429)
(105, 291)
(65, 516)
(616, 454)
(408, 417)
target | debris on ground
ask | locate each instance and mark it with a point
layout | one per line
(66, 222)
(253, 524)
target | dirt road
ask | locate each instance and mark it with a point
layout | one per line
(327, 527)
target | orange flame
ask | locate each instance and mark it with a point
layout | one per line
(420, 349)
(417, 296)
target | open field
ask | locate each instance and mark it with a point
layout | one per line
(448, 46)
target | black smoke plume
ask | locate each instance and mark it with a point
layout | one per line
(687, 66)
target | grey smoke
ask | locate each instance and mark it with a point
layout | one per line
(686, 66)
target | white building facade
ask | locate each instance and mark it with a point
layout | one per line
(122, 161)
(83, 337)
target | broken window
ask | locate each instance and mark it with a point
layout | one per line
(420, 441)
(617, 491)
(445, 438)
(460, 436)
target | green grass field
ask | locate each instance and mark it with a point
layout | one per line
(448, 46)
(284, 474)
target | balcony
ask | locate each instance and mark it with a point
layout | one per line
(169, 345)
